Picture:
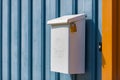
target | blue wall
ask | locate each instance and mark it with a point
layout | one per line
(25, 38)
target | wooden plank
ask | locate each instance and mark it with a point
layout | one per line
(6, 40)
(0, 39)
(65, 7)
(51, 10)
(25, 65)
(81, 6)
(109, 40)
(37, 45)
(88, 7)
(15, 41)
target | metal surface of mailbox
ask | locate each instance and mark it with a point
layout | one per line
(68, 48)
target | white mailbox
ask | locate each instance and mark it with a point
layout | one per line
(68, 44)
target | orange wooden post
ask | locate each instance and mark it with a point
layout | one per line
(118, 39)
(109, 40)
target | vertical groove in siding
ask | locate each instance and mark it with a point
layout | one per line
(43, 24)
(0, 39)
(30, 51)
(95, 23)
(74, 76)
(74, 6)
(57, 8)
(57, 76)
(57, 14)
(9, 41)
(19, 39)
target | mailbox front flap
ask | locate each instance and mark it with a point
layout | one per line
(66, 19)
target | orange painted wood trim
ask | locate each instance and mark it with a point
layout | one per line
(118, 40)
(109, 40)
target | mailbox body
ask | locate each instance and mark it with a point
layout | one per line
(68, 48)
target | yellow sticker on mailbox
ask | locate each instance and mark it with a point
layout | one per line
(73, 27)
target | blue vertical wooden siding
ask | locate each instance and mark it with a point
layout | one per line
(5, 48)
(15, 40)
(37, 40)
(6, 40)
(25, 38)
(51, 10)
(0, 39)
(25, 55)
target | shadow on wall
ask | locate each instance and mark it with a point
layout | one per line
(100, 62)
(93, 62)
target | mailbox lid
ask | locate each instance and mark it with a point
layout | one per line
(67, 19)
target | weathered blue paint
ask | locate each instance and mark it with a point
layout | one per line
(0, 39)
(15, 40)
(5, 42)
(25, 38)
(51, 11)
(25, 65)
(30, 38)
(37, 40)
(43, 38)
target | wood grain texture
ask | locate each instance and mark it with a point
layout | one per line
(109, 40)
